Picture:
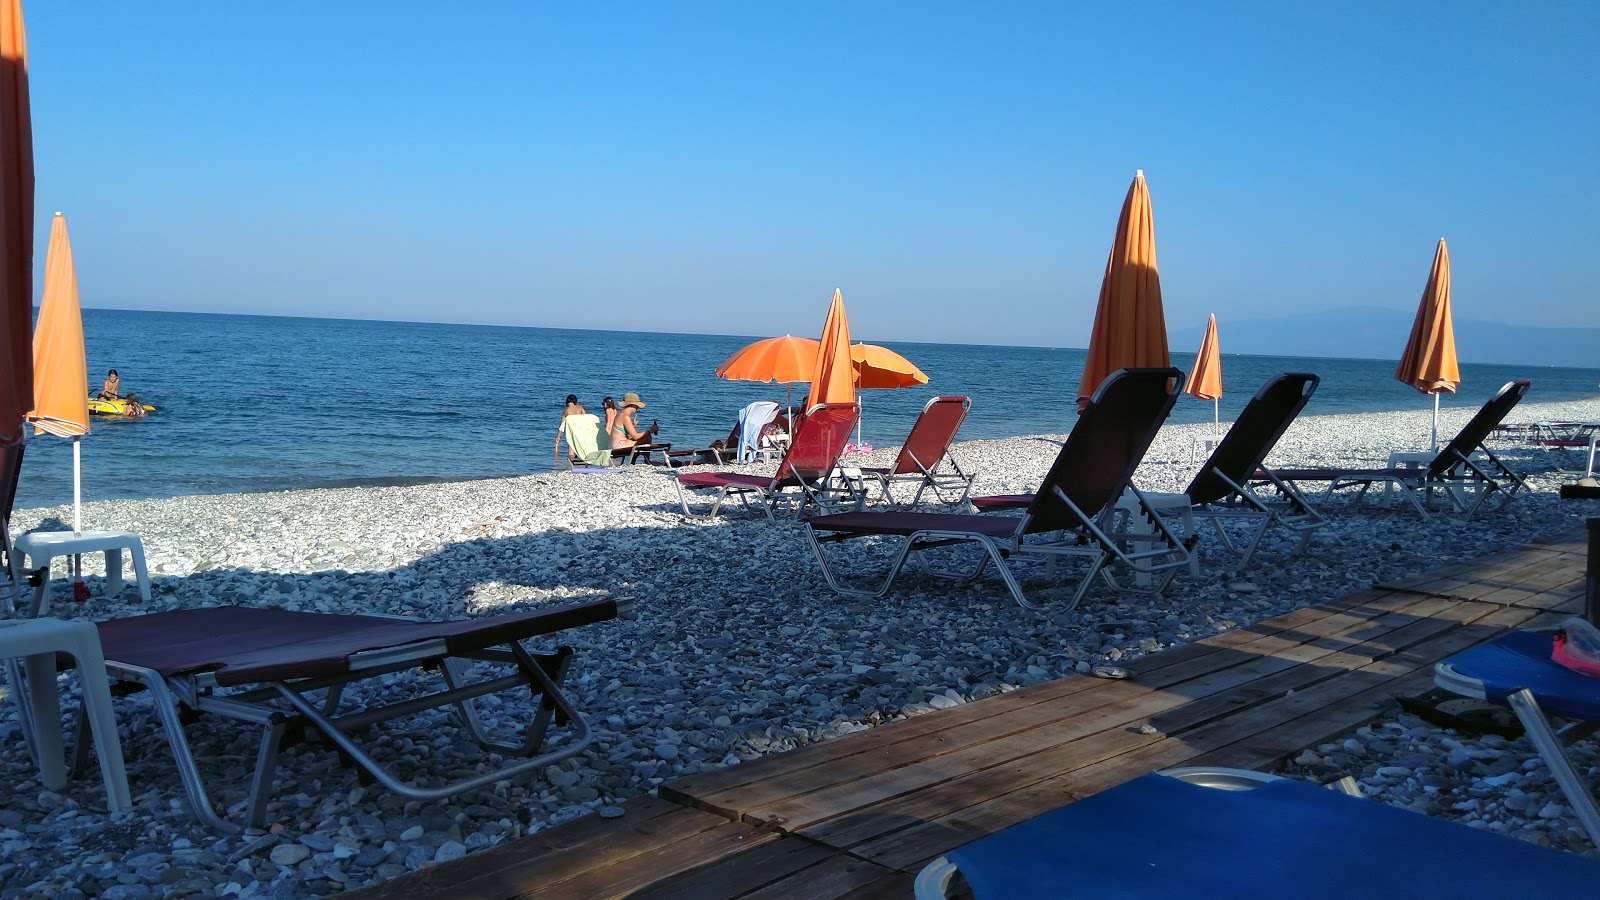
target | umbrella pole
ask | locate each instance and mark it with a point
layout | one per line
(1216, 416)
(77, 490)
(1435, 447)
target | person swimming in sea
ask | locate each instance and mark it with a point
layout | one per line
(131, 407)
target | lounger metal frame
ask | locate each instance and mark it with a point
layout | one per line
(276, 705)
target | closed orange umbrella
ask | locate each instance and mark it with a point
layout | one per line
(61, 405)
(1205, 381)
(1429, 361)
(833, 380)
(1129, 328)
(880, 367)
(16, 225)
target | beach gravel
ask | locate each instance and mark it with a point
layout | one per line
(738, 648)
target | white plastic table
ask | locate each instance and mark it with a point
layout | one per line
(40, 547)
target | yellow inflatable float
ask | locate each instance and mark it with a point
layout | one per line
(113, 407)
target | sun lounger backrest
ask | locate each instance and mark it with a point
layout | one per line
(1477, 429)
(814, 450)
(1252, 436)
(1097, 461)
(931, 435)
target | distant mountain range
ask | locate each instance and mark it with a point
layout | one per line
(1379, 333)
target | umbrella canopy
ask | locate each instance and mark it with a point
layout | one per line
(1129, 328)
(16, 225)
(1429, 361)
(61, 406)
(833, 380)
(784, 359)
(1205, 382)
(880, 367)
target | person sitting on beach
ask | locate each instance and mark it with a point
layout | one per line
(108, 391)
(574, 408)
(131, 407)
(625, 431)
(610, 406)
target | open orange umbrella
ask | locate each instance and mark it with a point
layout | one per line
(16, 225)
(784, 359)
(833, 379)
(1129, 328)
(1429, 361)
(61, 405)
(880, 367)
(1205, 382)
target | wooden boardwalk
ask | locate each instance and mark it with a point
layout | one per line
(859, 815)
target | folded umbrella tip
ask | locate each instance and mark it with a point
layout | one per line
(1138, 173)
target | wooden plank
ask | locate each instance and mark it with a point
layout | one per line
(712, 790)
(914, 845)
(626, 876)
(839, 876)
(1062, 744)
(1473, 583)
(736, 875)
(555, 853)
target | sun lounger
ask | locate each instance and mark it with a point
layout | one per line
(1222, 490)
(1221, 833)
(806, 478)
(1516, 670)
(1467, 482)
(926, 449)
(1073, 515)
(747, 441)
(272, 667)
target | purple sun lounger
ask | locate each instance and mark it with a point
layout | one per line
(1465, 481)
(806, 476)
(263, 666)
(1207, 834)
(1073, 515)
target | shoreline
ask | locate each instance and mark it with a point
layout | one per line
(739, 649)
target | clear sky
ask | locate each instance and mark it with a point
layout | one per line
(955, 168)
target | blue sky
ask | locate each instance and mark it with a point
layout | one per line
(955, 168)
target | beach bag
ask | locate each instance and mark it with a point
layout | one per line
(1577, 647)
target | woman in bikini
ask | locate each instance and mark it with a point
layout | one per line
(625, 430)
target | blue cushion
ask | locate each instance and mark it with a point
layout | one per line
(1157, 836)
(1521, 659)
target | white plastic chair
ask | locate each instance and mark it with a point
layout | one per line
(36, 642)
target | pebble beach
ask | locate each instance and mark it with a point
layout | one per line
(737, 649)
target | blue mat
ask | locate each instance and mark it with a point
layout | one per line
(1521, 659)
(1158, 837)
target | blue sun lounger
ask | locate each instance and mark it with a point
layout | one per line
(1164, 836)
(1516, 670)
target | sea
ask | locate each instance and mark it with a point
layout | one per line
(265, 403)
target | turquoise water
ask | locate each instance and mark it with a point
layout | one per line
(255, 403)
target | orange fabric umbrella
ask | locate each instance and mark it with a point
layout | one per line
(833, 380)
(1205, 382)
(784, 359)
(61, 405)
(1129, 328)
(16, 225)
(880, 367)
(1429, 361)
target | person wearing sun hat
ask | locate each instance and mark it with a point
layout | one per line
(627, 431)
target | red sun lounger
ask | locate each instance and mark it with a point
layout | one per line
(1466, 481)
(1073, 515)
(264, 666)
(806, 477)
(925, 450)
(1229, 484)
